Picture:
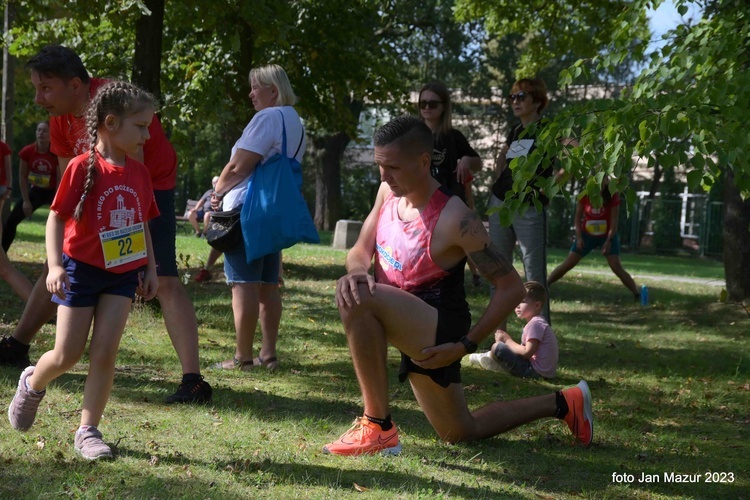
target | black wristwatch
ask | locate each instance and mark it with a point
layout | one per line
(470, 346)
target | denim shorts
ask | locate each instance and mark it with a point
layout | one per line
(88, 282)
(513, 363)
(592, 242)
(163, 234)
(262, 270)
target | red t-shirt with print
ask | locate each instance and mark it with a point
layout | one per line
(4, 151)
(110, 234)
(42, 167)
(596, 220)
(69, 138)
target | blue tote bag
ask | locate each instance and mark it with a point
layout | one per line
(275, 215)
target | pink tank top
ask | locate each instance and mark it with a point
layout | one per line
(403, 248)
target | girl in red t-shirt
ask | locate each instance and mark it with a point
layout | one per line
(17, 281)
(100, 254)
(597, 227)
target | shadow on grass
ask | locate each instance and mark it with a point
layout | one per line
(255, 472)
(317, 272)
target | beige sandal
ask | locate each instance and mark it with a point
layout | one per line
(270, 364)
(234, 364)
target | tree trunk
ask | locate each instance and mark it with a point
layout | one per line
(328, 151)
(9, 64)
(238, 88)
(148, 44)
(736, 238)
(9, 72)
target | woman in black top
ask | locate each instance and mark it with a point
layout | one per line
(453, 159)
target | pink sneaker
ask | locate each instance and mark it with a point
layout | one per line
(23, 407)
(90, 445)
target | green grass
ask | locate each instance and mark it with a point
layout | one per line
(670, 386)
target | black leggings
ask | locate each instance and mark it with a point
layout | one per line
(37, 197)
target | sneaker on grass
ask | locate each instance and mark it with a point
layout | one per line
(365, 438)
(22, 409)
(580, 418)
(13, 353)
(485, 360)
(192, 390)
(90, 445)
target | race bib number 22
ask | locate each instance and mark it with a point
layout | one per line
(123, 245)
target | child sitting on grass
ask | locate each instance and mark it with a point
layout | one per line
(536, 355)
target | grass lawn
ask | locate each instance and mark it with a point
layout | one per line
(670, 384)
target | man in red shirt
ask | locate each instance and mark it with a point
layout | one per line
(64, 89)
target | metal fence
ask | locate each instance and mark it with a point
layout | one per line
(685, 222)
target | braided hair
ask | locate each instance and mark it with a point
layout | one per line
(117, 98)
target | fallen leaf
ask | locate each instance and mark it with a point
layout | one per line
(359, 488)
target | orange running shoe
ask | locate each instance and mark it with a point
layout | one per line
(365, 438)
(580, 418)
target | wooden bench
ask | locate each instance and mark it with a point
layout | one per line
(182, 220)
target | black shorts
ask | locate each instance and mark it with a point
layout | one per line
(163, 234)
(450, 328)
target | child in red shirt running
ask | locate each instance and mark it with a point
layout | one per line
(100, 254)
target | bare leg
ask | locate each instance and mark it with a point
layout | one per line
(73, 324)
(17, 281)
(206, 220)
(110, 317)
(569, 263)
(193, 219)
(270, 318)
(616, 265)
(179, 317)
(246, 307)
(447, 411)
(38, 311)
(391, 315)
(213, 256)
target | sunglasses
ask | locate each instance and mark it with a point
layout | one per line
(429, 104)
(521, 96)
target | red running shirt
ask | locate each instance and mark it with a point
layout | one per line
(110, 234)
(42, 167)
(4, 151)
(69, 138)
(596, 220)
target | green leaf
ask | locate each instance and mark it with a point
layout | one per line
(694, 178)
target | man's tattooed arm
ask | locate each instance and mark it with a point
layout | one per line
(490, 262)
(471, 224)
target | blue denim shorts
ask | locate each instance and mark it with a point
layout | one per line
(88, 282)
(262, 270)
(516, 365)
